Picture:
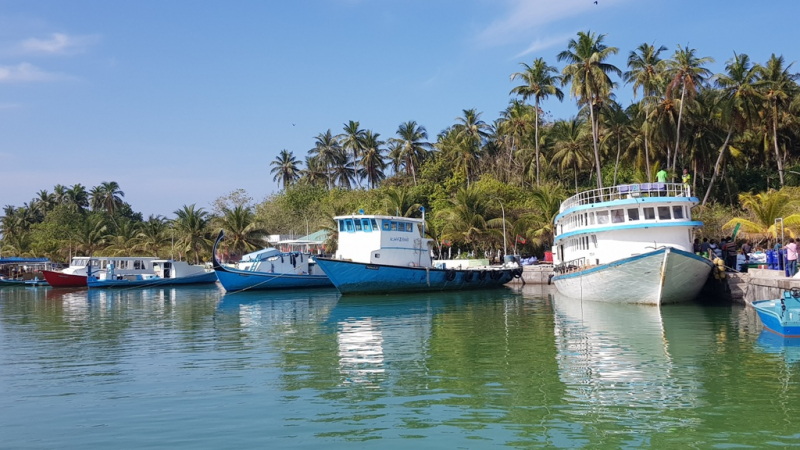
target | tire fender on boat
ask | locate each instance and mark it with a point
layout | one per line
(496, 274)
(468, 275)
(450, 274)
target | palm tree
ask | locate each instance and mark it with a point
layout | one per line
(540, 82)
(111, 196)
(465, 218)
(538, 225)
(77, 198)
(90, 235)
(353, 139)
(372, 160)
(588, 72)
(399, 202)
(616, 122)
(96, 196)
(191, 230)
(778, 86)
(326, 149)
(687, 71)
(285, 168)
(242, 229)
(646, 71)
(342, 171)
(764, 208)
(414, 148)
(315, 172)
(152, 235)
(471, 132)
(739, 96)
(570, 147)
(123, 240)
(516, 122)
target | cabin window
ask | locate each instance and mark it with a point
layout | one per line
(594, 240)
(649, 214)
(617, 216)
(387, 225)
(602, 217)
(409, 227)
(357, 224)
(348, 223)
(341, 225)
(365, 225)
(374, 224)
(394, 226)
(677, 212)
(633, 214)
(591, 218)
(137, 265)
(663, 213)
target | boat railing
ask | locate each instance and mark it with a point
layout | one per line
(626, 191)
(569, 266)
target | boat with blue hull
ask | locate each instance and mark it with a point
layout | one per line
(387, 254)
(781, 316)
(270, 269)
(629, 244)
(164, 272)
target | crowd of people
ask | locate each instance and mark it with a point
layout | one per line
(737, 253)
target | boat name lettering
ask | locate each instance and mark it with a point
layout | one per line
(399, 239)
(372, 267)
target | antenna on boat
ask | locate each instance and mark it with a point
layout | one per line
(422, 208)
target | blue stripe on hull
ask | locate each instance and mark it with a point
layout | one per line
(233, 280)
(359, 278)
(205, 278)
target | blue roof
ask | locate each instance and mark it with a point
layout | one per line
(20, 260)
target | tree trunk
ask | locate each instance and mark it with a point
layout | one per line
(647, 158)
(594, 143)
(575, 167)
(678, 136)
(775, 141)
(536, 126)
(716, 165)
(616, 164)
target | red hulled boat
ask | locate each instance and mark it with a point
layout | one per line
(61, 279)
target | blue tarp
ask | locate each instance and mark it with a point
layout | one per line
(20, 260)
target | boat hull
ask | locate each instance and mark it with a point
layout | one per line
(202, 278)
(59, 279)
(769, 311)
(238, 280)
(359, 278)
(7, 282)
(655, 278)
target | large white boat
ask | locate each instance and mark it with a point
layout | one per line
(629, 244)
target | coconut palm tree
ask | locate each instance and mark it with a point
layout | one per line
(243, 232)
(96, 196)
(413, 146)
(315, 172)
(353, 139)
(372, 162)
(687, 72)
(122, 241)
(539, 82)
(107, 196)
(399, 202)
(516, 122)
(778, 86)
(739, 99)
(471, 133)
(342, 170)
(285, 168)
(646, 72)
(537, 226)
(570, 147)
(465, 218)
(90, 236)
(191, 230)
(587, 71)
(153, 235)
(326, 150)
(763, 209)
(616, 122)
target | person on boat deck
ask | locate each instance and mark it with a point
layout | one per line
(791, 258)
(687, 179)
(696, 246)
(705, 246)
(661, 176)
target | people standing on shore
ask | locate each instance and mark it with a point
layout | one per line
(696, 247)
(705, 246)
(730, 249)
(791, 258)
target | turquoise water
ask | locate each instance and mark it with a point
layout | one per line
(195, 368)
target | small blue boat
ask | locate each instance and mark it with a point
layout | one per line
(270, 269)
(781, 316)
(386, 254)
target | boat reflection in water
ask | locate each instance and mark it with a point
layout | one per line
(787, 348)
(618, 364)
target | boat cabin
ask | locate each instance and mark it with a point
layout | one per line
(385, 240)
(121, 265)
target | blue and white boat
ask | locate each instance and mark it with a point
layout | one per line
(387, 254)
(269, 269)
(781, 316)
(629, 244)
(162, 272)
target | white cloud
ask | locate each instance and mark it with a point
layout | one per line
(541, 44)
(526, 18)
(27, 73)
(57, 44)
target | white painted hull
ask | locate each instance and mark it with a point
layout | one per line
(660, 277)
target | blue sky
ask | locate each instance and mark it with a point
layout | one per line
(183, 101)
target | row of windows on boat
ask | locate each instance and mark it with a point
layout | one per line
(368, 225)
(125, 264)
(622, 215)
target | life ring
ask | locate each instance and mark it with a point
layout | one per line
(450, 274)
(496, 274)
(482, 275)
(468, 275)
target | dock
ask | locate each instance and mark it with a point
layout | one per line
(755, 284)
(537, 274)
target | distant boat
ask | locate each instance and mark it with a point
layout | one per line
(629, 244)
(388, 254)
(75, 274)
(165, 272)
(36, 282)
(270, 269)
(781, 316)
(11, 282)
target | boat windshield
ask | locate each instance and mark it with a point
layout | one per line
(78, 262)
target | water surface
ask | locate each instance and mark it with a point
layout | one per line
(196, 368)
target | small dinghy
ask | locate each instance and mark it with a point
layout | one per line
(781, 316)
